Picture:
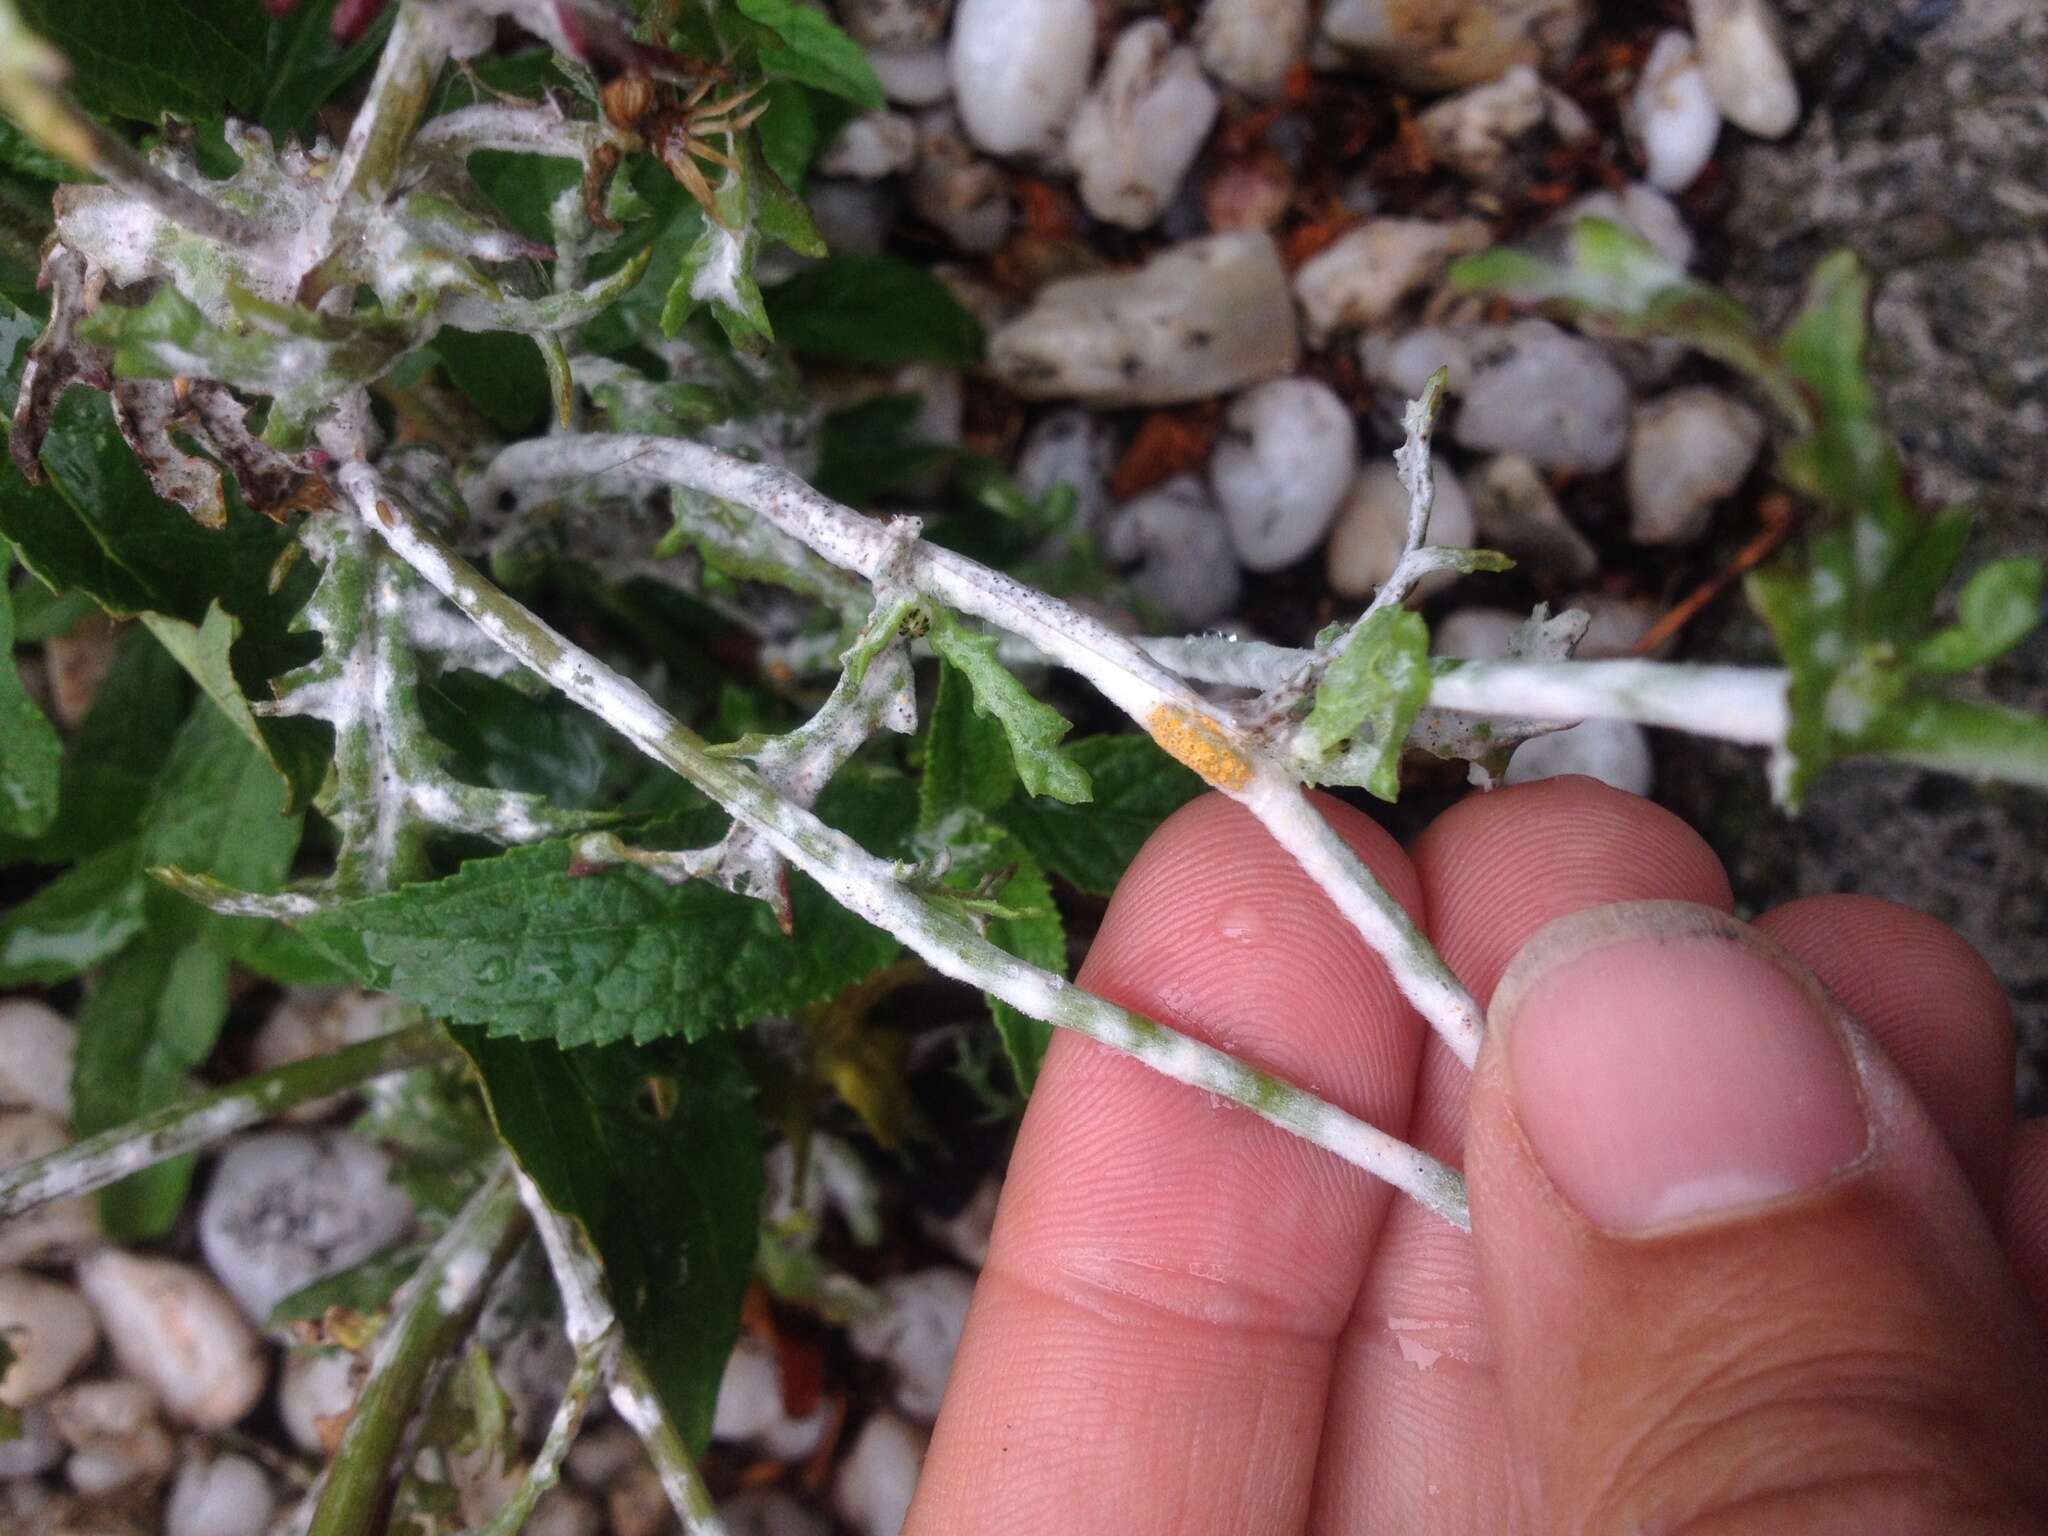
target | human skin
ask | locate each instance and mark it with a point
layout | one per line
(1757, 1245)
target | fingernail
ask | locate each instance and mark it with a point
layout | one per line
(1669, 1066)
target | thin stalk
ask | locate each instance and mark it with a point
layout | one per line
(869, 886)
(199, 1122)
(1240, 762)
(594, 1360)
(1740, 704)
(429, 1316)
(397, 100)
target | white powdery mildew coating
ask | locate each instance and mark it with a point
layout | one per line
(1740, 704)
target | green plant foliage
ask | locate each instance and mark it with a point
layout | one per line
(1136, 787)
(814, 52)
(1034, 728)
(873, 309)
(84, 916)
(203, 57)
(598, 1130)
(1380, 682)
(29, 749)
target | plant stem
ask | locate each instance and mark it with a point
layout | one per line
(869, 887)
(594, 1362)
(198, 1122)
(429, 1316)
(1215, 745)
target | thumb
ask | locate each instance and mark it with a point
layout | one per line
(1736, 1280)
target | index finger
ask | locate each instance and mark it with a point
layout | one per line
(1150, 1343)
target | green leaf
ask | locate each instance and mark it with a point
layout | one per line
(504, 738)
(967, 764)
(29, 749)
(434, 1123)
(717, 270)
(76, 921)
(873, 309)
(870, 448)
(788, 130)
(1380, 680)
(521, 945)
(1033, 727)
(498, 372)
(1999, 608)
(1978, 741)
(656, 1152)
(366, 1288)
(203, 651)
(1030, 928)
(142, 58)
(1136, 786)
(815, 52)
(152, 1020)
(303, 65)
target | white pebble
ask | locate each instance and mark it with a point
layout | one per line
(1547, 395)
(316, 1021)
(770, 1512)
(1177, 538)
(871, 146)
(1443, 44)
(50, 1331)
(874, 1484)
(114, 1434)
(286, 1208)
(1019, 68)
(1139, 130)
(54, 1231)
(967, 1232)
(1515, 513)
(1642, 210)
(1686, 451)
(1251, 44)
(1616, 752)
(1372, 529)
(1288, 453)
(894, 24)
(1363, 278)
(173, 1327)
(750, 1408)
(853, 216)
(602, 1455)
(917, 1332)
(1670, 115)
(1475, 634)
(562, 1511)
(1403, 363)
(1614, 625)
(1475, 131)
(1074, 448)
(225, 1496)
(836, 1179)
(917, 77)
(32, 1452)
(1742, 50)
(36, 1046)
(1199, 319)
(315, 1391)
(955, 190)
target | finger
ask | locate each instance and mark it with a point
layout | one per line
(1933, 1005)
(1415, 1400)
(1149, 1345)
(1737, 1279)
(2024, 1226)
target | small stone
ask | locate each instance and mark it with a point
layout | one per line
(315, 1392)
(637, 1503)
(1642, 210)
(1671, 116)
(1073, 448)
(919, 77)
(1686, 451)
(286, 1208)
(955, 190)
(871, 146)
(602, 1455)
(32, 1452)
(1742, 51)
(1372, 529)
(1139, 130)
(1252, 190)
(835, 1180)
(54, 1231)
(1516, 514)
(916, 1333)
(1547, 395)
(894, 24)
(1288, 453)
(874, 1484)
(1615, 625)
(225, 1496)
(115, 1437)
(36, 1046)
(562, 1511)
(173, 1327)
(967, 1232)
(1402, 364)
(750, 1409)
(1616, 752)
(771, 1512)
(51, 1332)
(1475, 634)
(853, 216)
(1475, 132)
(1199, 319)
(1177, 538)
(1019, 68)
(1363, 278)
(1251, 44)
(1440, 45)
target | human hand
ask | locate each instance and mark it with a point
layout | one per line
(1720, 1279)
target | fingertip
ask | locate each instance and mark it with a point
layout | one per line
(2023, 1224)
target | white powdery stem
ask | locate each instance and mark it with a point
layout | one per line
(869, 887)
(1741, 704)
